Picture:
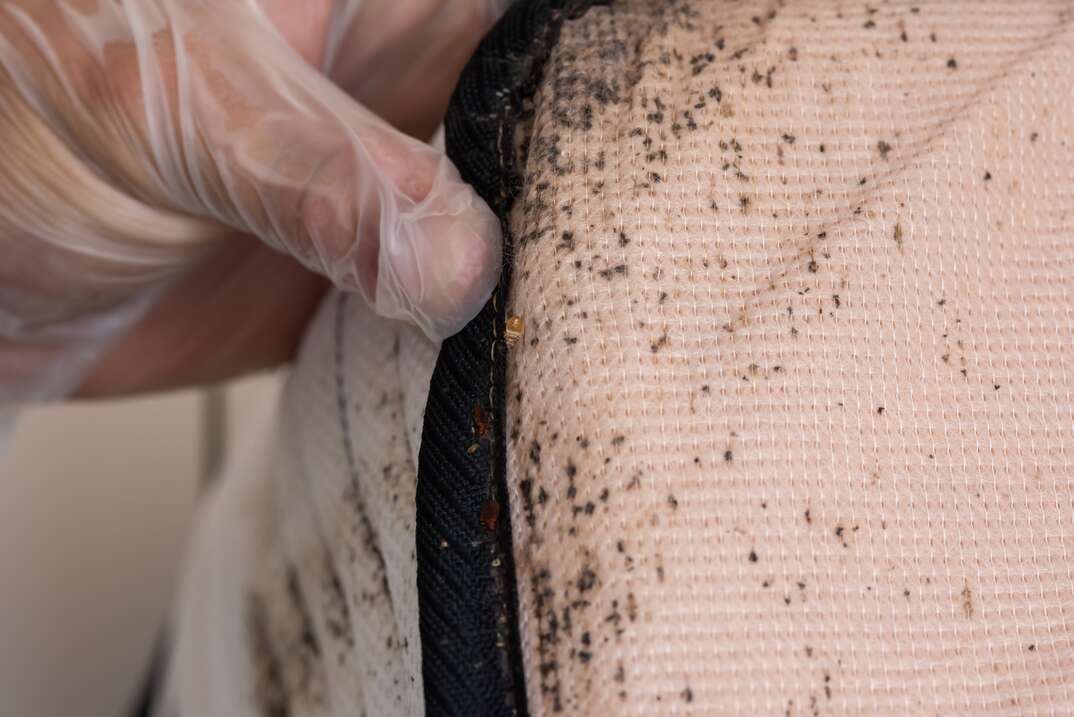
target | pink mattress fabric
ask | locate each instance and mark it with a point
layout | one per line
(790, 428)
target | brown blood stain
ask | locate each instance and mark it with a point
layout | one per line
(490, 515)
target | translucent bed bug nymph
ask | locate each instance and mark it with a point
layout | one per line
(513, 331)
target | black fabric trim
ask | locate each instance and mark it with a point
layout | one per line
(467, 597)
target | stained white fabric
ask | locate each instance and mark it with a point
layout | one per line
(300, 595)
(791, 432)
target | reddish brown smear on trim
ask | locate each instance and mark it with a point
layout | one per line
(490, 515)
(481, 420)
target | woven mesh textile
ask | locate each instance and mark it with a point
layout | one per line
(791, 429)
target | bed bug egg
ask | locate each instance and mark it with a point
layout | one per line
(513, 331)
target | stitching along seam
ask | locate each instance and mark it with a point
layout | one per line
(471, 658)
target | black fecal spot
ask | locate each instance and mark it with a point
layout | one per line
(744, 203)
(566, 241)
(659, 343)
(525, 486)
(869, 25)
(789, 138)
(548, 635)
(618, 441)
(728, 456)
(988, 176)
(812, 266)
(673, 502)
(535, 453)
(1034, 136)
(952, 63)
(268, 671)
(571, 470)
(698, 63)
(602, 92)
(715, 93)
(753, 556)
(792, 54)
(586, 580)
(883, 148)
(1032, 648)
(623, 239)
(609, 273)
(880, 410)
(570, 340)
(687, 695)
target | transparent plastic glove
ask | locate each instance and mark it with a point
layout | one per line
(135, 137)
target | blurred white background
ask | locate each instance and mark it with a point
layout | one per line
(95, 503)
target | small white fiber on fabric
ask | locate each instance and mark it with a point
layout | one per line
(792, 426)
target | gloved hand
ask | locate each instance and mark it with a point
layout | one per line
(138, 138)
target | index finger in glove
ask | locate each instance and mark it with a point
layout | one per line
(203, 109)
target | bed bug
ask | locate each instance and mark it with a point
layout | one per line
(490, 515)
(481, 420)
(514, 330)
